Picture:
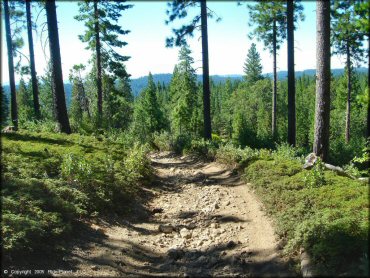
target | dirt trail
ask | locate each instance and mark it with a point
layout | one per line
(202, 221)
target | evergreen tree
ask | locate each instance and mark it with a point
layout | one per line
(322, 110)
(46, 95)
(179, 9)
(252, 65)
(184, 93)
(102, 36)
(13, 102)
(80, 101)
(292, 8)
(117, 103)
(269, 19)
(362, 8)
(148, 117)
(56, 68)
(4, 102)
(24, 103)
(347, 40)
(35, 85)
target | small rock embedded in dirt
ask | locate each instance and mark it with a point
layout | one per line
(94, 267)
(185, 233)
(157, 210)
(231, 244)
(215, 225)
(166, 229)
(217, 206)
(191, 226)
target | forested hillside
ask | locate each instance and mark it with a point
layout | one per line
(186, 173)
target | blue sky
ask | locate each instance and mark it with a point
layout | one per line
(228, 41)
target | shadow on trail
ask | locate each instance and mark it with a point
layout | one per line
(136, 260)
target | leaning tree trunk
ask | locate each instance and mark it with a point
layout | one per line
(206, 91)
(349, 88)
(35, 86)
(273, 123)
(13, 103)
(291, 77)
(322, 111)
(98, 64)
(56, 68)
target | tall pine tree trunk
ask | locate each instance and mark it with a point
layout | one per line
(349, 89)
(291, 75)
(322, 111)
(13, 101)
(56, 68)
(273, 127)
(368, 102)
(206, 91)
(98, 64)
(35, 86)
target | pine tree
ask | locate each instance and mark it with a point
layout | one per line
(13, 102)
(102, 36)
(347, 40)
(24, 103)
(56, 68)
(293, 9)
(80, 102)
(184, 93)
(35, 85)
(47, 108)
(269, 19)
(4, 113)
(148, 117)
(322, 110)
(178, 9)
(252, 65)
(362, 8)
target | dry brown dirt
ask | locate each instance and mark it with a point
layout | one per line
(200, 220)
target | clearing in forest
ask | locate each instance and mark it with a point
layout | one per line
(200, 220)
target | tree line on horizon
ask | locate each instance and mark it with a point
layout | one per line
(102, 98)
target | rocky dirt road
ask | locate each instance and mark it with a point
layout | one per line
(201, 221)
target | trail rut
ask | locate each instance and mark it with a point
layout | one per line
(201, 220)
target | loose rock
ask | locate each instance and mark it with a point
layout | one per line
(166, 229)
(185, 233)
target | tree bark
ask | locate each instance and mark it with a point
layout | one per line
(35, 86)
(206, 91)
(349, 89)
(13, 101)
(322, 112)
(291, 75)
(56, 68)
(274, 92)
(98, 64)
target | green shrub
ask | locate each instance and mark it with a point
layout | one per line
(316, 209)
(316, 177)
(163, 141)
(50, 181)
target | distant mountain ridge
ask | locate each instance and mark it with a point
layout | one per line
(138, 84)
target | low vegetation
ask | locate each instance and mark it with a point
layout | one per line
(316, 209)
(52, 181)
